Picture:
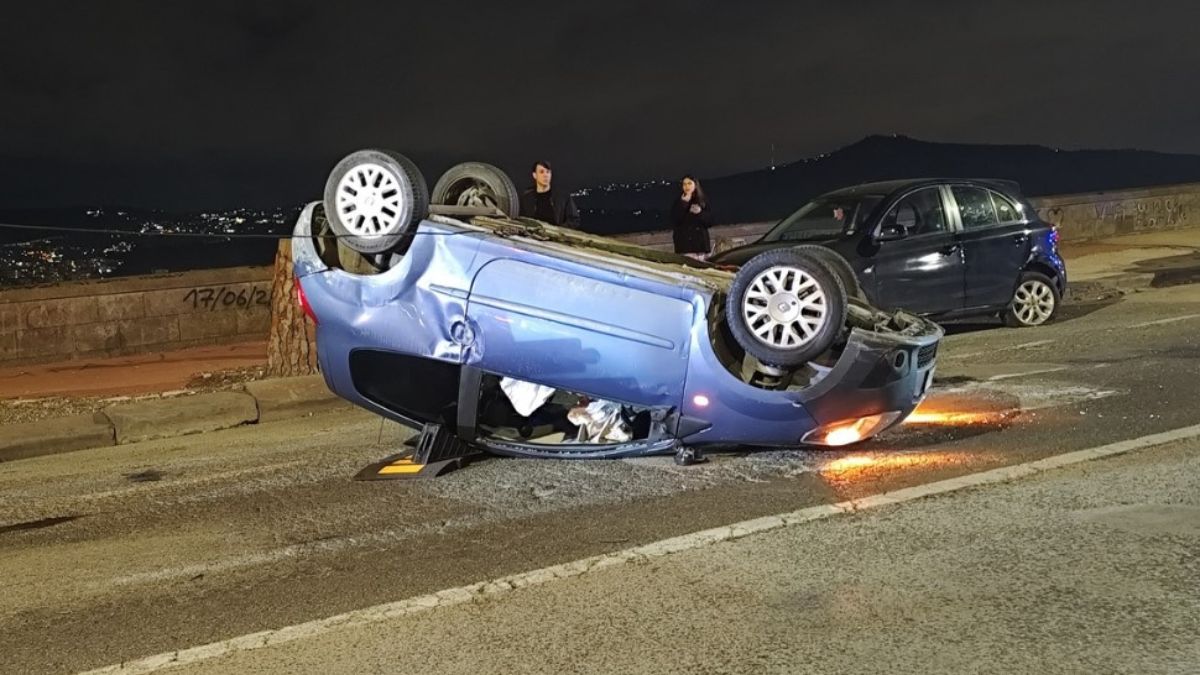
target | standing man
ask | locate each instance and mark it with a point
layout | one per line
(544, 204)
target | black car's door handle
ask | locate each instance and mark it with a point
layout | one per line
(952, 248)
(1019, 239)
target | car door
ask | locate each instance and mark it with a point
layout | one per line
(996, 244)
(918, 263)
(582, 330)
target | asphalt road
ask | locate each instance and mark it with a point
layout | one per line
(119, 553)
(1089, 569)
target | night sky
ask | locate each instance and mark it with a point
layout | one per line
(183, 105)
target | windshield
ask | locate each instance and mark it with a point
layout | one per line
(824, 217)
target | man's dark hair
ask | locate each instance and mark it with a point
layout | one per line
(541, 162)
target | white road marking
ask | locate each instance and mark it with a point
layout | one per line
(1029, 396)
(687, 542)
(1008, 376)
(1023, 345)
(1173, 319)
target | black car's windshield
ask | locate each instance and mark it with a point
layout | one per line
(823, 218)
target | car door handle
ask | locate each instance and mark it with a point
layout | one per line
(1019, 239)
(949, 250)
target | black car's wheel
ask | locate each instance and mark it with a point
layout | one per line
(373, 198)
(477, 184)
(785, 307)
(1034, 303)
(838, 264)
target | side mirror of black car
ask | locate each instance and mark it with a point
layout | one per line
(891, 232)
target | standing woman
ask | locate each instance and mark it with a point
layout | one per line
(690, 220)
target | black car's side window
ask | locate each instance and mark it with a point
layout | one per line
(1006, 211)
(974, 207)
(919, 213)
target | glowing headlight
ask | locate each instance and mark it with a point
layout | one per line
(845, 432)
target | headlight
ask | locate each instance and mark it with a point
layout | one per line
(850, 431)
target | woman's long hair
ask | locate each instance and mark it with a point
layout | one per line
(697, 194)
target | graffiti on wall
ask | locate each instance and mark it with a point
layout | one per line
(1124, 214)
(212, 297)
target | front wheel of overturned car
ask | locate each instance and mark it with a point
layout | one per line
(1034, 303)
(374, 198)
(477, 184)
(785, 307)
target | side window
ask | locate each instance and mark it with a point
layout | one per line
(919, 213)
(974, 206)
(1006, 211)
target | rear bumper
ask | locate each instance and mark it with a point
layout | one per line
(404, 310)
(1060, 269)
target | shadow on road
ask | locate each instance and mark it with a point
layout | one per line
(1070, 312)
(1082, 299)
(962, 327)
(1173, 271)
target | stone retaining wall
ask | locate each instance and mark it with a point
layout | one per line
(1095, 215)
(134, 315)
(158, 312)
(1080, 217)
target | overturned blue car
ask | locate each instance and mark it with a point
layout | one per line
(442, 309)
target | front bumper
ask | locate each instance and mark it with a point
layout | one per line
(877, 373)
(883, 382)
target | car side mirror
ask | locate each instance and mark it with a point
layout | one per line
(891, 232)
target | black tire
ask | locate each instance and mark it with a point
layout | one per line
(395, 181)
(1025, 310)
(477, 184)
(840, 266)
(779, 348)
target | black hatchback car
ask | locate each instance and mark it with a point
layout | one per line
(939, 247)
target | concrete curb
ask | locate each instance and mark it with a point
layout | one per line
(170, 417)
(48, 437)
(135, 421)
(290, 397)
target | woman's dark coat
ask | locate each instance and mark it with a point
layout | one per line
(690, 229)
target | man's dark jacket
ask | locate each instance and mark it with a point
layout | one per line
(565, 213)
